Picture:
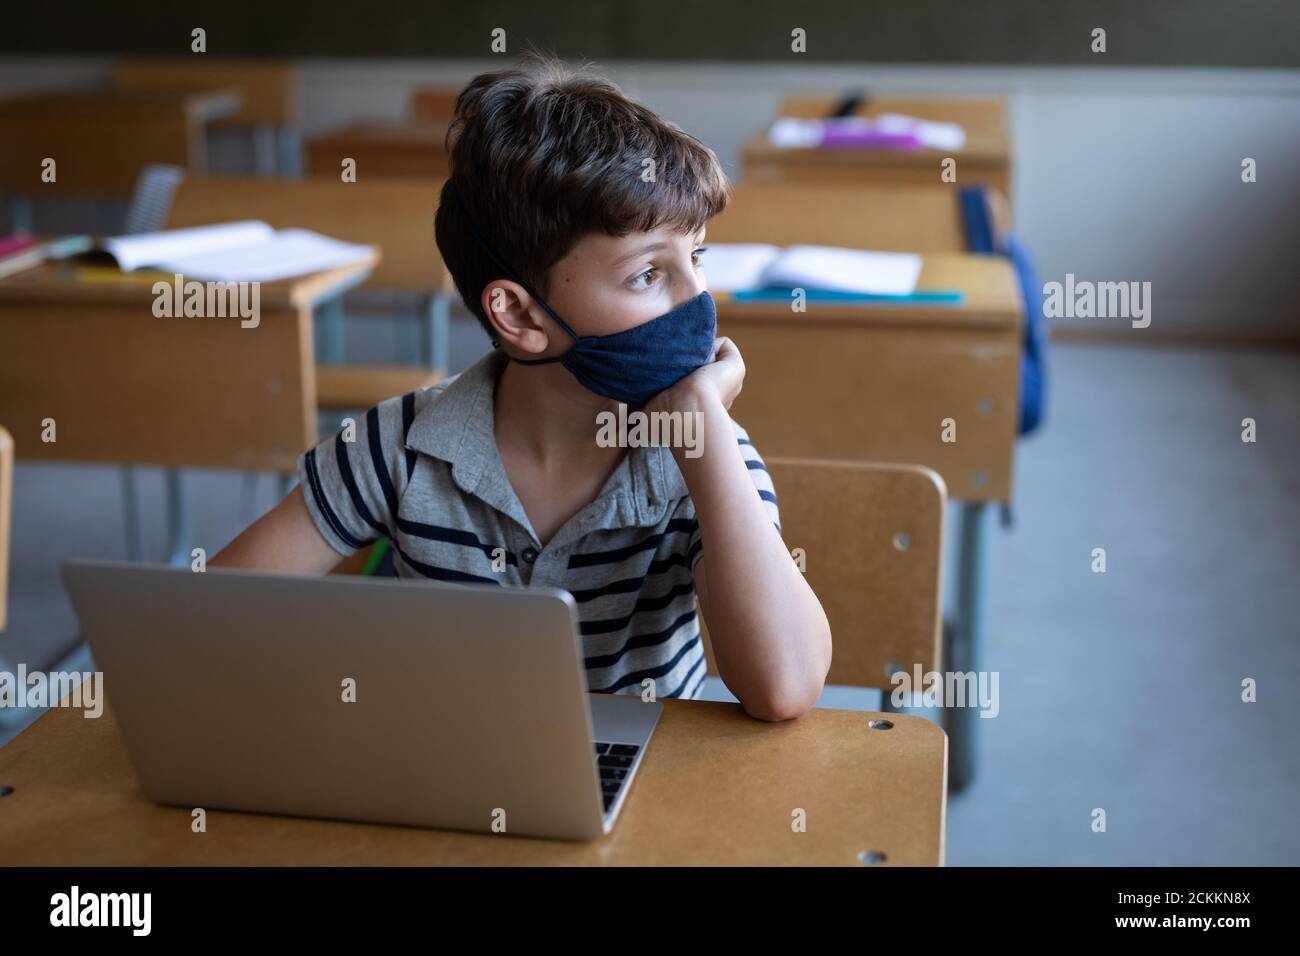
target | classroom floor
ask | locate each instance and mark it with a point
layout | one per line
(1119, 691)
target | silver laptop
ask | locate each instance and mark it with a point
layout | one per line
(360, 698)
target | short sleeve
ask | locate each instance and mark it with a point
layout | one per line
(352, 483)
(762, 482)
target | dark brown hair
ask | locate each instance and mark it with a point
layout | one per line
(541, 156)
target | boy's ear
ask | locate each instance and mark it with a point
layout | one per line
(515, 319)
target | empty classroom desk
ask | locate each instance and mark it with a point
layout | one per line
(886, 218)
(123, 386)
(101, 140)
(393, 214)
(716, 788)
(985, 159)
(415, 149)
(978, 467)
(267, 90)
(434, 105)
(874, 382)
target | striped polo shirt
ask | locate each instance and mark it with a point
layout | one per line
(423, 471)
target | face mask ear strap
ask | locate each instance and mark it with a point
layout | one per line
(511, 274)
(540, 361)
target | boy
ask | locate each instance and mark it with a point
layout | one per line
(572, 224)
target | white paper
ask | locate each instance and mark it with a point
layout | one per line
(933, 135)
(730, 267)
(289, 253)
(845, 270)
(235, 252)
(788, 132)
(150, 248)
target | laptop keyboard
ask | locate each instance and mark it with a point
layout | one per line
(614, 762)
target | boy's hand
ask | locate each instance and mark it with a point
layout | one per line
(720, 380)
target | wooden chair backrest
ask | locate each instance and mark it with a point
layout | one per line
(870, 538)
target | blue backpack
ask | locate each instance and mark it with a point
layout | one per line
(1033, 360)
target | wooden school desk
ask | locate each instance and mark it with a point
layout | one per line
(875, 382)
(434, 104)
(874, 216)
(412, 149)
(101, 140)
(984, 160)
(716, 788)
(126, 387)
(267, 90)
(393, 214)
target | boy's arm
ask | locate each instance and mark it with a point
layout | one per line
(348, 487)
(283, 539)
(769, 634)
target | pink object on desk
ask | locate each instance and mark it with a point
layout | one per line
(834, 137)
(18, 242)
(888, 131)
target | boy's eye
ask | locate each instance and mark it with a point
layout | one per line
(652, 275)
(645, 279)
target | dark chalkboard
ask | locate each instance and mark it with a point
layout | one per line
(1225, 33)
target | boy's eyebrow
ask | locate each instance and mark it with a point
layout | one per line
(642, 250)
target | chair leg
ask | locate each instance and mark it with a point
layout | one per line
(329, 331)
(408, 331)
(969, 640)
(437, 337)
(131, 514)
(178, 519)
(288, 144)
(265, 159)
(887, 705)
(20, 214)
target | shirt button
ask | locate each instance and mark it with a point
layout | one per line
(529, 555)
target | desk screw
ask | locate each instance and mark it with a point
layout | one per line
(871, 857)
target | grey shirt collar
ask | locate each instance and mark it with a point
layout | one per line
(457, 426)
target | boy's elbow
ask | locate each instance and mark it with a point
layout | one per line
(780, 704)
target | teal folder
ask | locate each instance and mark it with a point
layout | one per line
(919, 297)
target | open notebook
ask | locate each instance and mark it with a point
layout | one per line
(234, 252)
(750, 267)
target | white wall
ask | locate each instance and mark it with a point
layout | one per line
(1121, 174)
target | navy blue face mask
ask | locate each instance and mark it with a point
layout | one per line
(635, 365)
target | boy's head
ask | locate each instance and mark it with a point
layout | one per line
(592, 200)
